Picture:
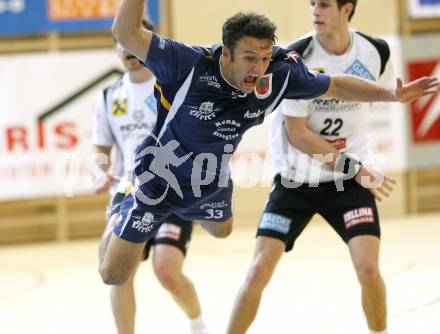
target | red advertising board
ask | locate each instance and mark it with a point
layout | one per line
(425, 112)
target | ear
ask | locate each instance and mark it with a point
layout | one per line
(347, 9)
(226, 54)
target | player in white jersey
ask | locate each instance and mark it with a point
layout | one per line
(318, 147)
(126, 113)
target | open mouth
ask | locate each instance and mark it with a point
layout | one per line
(130, 57)
(250, 80)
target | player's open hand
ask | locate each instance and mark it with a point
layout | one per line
(377, 183)
(416, 89)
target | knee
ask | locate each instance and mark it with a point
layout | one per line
(259, 275)
(368, 272)
(111, 276)
(223, 232)
(169, 279)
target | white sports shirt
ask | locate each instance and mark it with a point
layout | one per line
(126, 113)
(343, 124)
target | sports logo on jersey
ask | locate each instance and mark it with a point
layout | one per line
(151, 103)
(138, 115)
(293, 56)
(210, 80)
(318, 69)
(227, 129)
(119, 107)
(204, 112)
(360, 70)
(425, 112)
(339, 143)
(254, 114)
(264, 86)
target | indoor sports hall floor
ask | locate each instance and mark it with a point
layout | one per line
(55, 288)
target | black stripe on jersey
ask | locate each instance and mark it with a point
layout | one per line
(381, 47)
(114, 85)
(301, 45)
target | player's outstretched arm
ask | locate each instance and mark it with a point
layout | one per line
(128, 31)
(351, 88)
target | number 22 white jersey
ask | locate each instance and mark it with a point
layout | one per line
(342, 124)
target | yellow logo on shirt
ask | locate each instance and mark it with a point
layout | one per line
(319, 69)
(119, 107)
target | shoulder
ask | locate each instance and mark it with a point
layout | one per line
(301, 45)
(381, 47)
(113, 86)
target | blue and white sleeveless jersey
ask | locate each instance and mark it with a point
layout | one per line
(206, 116)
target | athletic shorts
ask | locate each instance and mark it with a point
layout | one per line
(351, 212)
(139, 221)
(174, 231)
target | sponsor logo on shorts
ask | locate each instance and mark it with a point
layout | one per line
(143, 224)
(169, 231)
(358, 216)
(214, 205)
(274, 222)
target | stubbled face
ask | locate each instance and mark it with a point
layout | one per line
(251, 59)
(130, 62)
(326, 16)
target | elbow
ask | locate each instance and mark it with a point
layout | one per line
(120, 33)
(116, 30)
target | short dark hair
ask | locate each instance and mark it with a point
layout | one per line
(247, 24)
(344, 2)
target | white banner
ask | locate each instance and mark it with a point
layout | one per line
(48, 102)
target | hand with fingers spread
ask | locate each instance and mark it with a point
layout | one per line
(416, 89)
(377, 183)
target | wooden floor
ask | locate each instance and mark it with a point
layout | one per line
(54, 288)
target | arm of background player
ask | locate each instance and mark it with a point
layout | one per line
(104, 180)
(128, 31)
(304, 139)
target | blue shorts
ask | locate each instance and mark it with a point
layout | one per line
(139, 222)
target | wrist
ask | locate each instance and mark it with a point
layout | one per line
(348, 165)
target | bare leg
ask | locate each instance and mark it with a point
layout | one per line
(168, 262)
(364, 251)
(124, 306)
(118, 258)
(268, 252)
(217, 229)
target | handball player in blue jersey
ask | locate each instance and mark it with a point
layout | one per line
(207, 98)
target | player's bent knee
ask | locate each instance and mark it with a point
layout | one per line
(259, 274)
(113, 276)
(368, 272)
(168, 279)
